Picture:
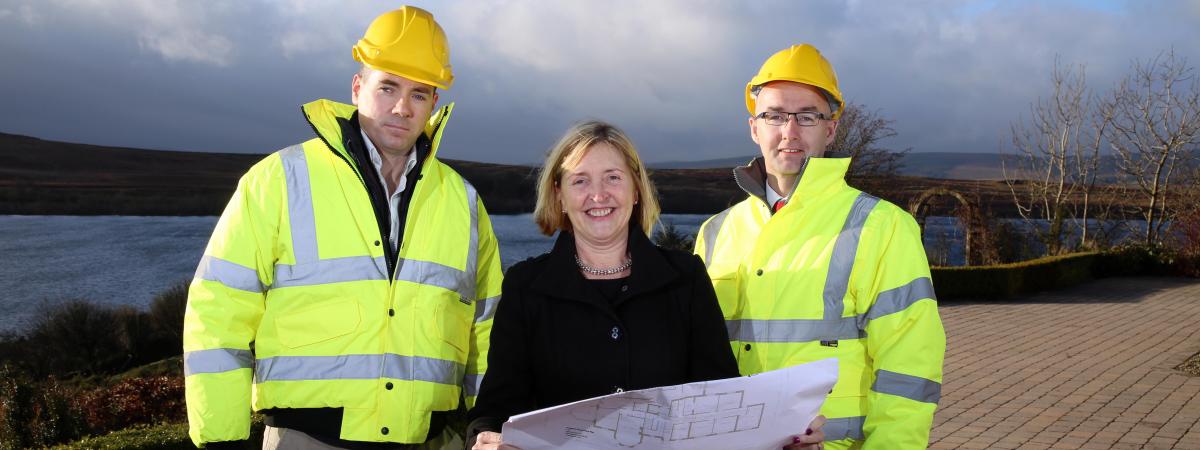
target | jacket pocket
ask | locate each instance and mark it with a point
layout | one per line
(454, 319)
(318, 323)
(727, 294)
(854, 378)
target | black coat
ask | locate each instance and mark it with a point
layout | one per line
(553, 339)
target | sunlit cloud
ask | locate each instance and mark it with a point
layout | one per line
(952, 74)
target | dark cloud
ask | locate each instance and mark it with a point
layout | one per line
(230, 76)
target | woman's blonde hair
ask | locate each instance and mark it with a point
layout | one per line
(568, 152)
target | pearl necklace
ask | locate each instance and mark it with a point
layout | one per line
(597, 271)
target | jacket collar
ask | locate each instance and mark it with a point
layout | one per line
(326, 118)
(817, 176)
(562, 278)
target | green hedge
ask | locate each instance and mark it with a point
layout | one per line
(1056, 272)
(1006, 280)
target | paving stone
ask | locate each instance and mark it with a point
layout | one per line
(1073, 368)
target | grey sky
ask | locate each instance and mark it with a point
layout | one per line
(225, 75)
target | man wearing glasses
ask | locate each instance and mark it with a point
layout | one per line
(808, 268)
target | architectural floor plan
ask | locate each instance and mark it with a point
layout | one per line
(761, 411)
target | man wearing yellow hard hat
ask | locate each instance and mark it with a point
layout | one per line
(807, 268)
(348, 288)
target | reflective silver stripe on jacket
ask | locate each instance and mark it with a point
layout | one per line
(310, 270)
(216, 360)
(844, 250)
(486, 309)
(332, 270)
(793, 330)
(361, 367)
(434, 274)
(471, 384)
(809, 330)
(839, 428)
(898, 299)
(229, 273)
(710, 235)
(472, 246)
(834, 326)
(907, 386)
(300, 207)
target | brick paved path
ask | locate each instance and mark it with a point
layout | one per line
(1087, 367)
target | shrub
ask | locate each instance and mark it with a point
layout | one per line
(56, 417)
(668, 236)
(16, 399)
(15, 353)
(79, 338)
(166, 313)
(1136, 259)
(135, 401)
(36, 414)
(1010, 243)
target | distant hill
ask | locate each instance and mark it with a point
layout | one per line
(959, 166)
(942, 165)
(720, 163)
(47, 177)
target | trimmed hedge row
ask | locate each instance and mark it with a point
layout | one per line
(1051, 272)
(1006, 280)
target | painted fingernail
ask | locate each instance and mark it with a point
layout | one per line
(808, 431)
(795, 439)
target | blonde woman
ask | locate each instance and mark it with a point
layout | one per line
(605, 310)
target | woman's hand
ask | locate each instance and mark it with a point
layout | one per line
(812, 438)
(489, 440)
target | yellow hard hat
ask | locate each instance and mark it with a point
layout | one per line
(409, 43)
(802, 64)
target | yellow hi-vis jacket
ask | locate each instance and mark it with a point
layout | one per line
(292, 305)
(835, 273)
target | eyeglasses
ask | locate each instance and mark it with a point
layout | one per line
(803, 118)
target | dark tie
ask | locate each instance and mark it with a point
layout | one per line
(779, 204)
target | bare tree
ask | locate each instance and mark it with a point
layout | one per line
(1056, 159)
(1087, 161)
(1186, 223)
(1156, 126)
(859, 134)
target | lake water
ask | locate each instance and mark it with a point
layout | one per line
(126, 260)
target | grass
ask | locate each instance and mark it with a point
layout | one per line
(153, 437)
(1191, 366)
